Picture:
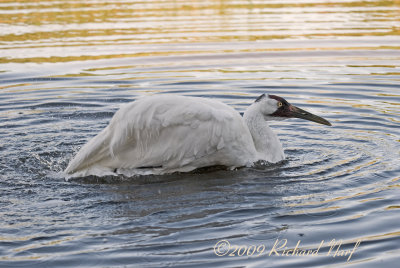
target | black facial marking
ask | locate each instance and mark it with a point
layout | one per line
(284, 102)
(282, 111)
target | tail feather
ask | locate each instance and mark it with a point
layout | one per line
(92, 152)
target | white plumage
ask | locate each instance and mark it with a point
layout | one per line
(164, 134)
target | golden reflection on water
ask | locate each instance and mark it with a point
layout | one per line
(61, 31)
(303, 200)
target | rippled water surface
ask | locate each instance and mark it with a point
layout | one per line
(66, 67)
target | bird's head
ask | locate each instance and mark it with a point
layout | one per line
(275, 107)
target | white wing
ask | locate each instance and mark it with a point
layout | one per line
(172, 133)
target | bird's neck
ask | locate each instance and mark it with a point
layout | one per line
(266, 142)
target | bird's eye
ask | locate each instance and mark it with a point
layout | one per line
(280, 104)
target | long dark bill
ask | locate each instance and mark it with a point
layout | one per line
(300, 113)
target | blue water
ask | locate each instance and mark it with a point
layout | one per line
(61, 87)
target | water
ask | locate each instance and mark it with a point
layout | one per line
(67, 66)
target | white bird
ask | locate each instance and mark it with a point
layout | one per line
(165, 134)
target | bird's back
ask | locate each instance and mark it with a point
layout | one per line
(168, 133)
